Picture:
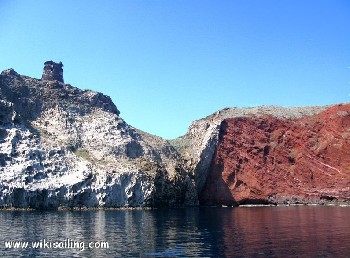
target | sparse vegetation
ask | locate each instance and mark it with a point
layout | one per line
(83, 154)
(180, 143)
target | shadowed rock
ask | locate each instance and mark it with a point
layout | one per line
(53, 71)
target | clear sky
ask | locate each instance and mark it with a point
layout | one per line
(166, 63)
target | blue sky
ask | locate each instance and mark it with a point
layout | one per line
(167, 63)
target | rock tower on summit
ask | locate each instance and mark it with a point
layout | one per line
(53, 71)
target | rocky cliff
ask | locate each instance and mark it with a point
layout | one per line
(65, 147)
(272, 155)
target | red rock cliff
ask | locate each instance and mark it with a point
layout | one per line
(265, 159)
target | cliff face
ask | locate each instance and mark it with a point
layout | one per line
(200, 142)
(62, 146)
(265, 158)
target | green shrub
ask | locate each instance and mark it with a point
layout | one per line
(82, 153)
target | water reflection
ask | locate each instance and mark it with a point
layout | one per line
(287, 231)
(195, 232)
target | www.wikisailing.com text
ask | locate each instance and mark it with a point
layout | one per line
(65, 244)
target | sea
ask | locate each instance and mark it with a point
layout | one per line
(291, 231)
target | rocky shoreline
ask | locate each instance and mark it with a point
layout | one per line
(61, 146)
(330, 204)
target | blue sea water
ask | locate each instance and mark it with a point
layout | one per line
(294, 231)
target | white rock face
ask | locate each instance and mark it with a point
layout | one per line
(63, 147)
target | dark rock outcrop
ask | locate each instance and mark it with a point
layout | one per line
(31, 96)
(53, 71)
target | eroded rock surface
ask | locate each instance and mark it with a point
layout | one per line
(266, 158)
(62, 146)
(198, 145)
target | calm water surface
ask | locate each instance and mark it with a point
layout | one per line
(194, 232)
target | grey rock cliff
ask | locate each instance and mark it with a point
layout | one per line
(62, 146)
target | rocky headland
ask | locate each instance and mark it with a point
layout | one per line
(65, 147)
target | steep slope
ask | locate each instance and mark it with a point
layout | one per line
(62, 146)
(281, 157)
(198, 145)
(65, 147)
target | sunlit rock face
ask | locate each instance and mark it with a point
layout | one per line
(269, 158)
(61, 146)
(65, 147)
